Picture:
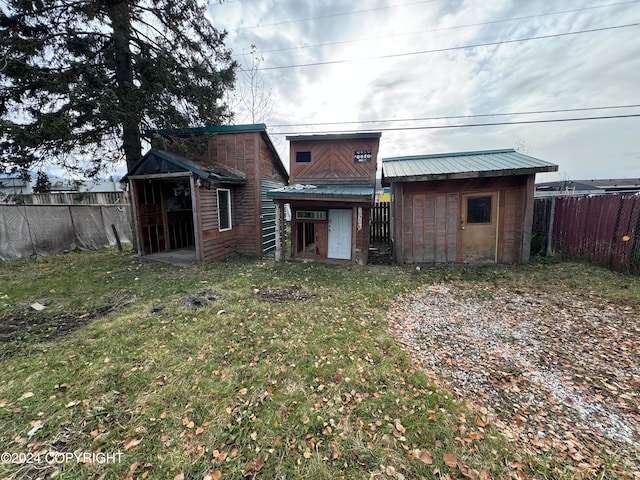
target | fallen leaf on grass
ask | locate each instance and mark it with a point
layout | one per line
(252, 468)
(425, 456)
(450, 460)
(215, 475)
(130, 443)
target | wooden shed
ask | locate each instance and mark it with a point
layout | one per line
(331, 192)
(204, 190)
(474, 207)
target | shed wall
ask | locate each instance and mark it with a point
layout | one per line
(332, 162)
(426, 218)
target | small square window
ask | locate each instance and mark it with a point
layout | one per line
(479, 210)
(224, 209)
(362, 156)
(303, 157)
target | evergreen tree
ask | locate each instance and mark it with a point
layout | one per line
(43, 184)
(83, 78)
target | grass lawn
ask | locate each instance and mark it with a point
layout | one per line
(242, 369)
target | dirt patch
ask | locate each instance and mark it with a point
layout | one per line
(557, 372)
(283, 294)
(201, 299)
(380, 254)
(27, 326)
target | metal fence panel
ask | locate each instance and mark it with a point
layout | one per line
(601, 229)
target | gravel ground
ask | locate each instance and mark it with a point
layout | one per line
(559, 374)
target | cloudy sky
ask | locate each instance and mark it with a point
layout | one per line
(420, 70)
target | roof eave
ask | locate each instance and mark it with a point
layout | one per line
(468, 175)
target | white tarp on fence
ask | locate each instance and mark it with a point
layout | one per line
(28, 230)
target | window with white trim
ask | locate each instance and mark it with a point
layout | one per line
(224, 209)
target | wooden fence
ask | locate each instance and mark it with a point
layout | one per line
(602, 229)
(380, 226)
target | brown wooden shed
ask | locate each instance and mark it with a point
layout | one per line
(204, 190)
(331, 192)
(474, 207)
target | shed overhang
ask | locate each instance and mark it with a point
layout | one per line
(161, 164)
(326, 193)
(462, 165)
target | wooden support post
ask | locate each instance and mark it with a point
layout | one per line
(552, 213)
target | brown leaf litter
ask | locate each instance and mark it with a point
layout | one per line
(558, 372)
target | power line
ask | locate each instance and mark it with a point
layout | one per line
(448, 49)
(451, 117)
(468, 125)
(491, 22)
(332, 15)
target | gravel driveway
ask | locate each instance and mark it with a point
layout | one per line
(558, 373)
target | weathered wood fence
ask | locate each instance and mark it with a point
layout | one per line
(601, 229)
(380, 226)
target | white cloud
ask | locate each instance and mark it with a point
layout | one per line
(575, 71)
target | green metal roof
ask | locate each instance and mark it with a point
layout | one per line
(364, 192)
(485, 163)
(254, 127)
(157, 162)
(334, 136)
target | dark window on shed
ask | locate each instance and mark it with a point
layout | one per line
(303, 157)
(479, 210)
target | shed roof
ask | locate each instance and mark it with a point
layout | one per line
(158, 162)
(254, 127)
(444, 166)
(333, 136)
(223, 129)
(356, 192)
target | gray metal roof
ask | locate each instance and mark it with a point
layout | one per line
(325, 191)
(486, 163)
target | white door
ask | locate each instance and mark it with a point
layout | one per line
(339, 234)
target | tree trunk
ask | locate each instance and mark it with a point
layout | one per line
(121, 22)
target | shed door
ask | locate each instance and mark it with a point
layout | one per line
(478, 227)
(339, 234)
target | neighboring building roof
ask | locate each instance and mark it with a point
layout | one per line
(334, 136)
(158, 162)
(223, 129)
(342, 192)
(588, 187)
(486, 163)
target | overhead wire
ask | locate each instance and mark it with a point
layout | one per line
(455, 27)
(448, 49)
(331, 15)
(468, 125)
(451, 117)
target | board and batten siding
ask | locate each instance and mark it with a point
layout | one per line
(332, 162)
(215, 245)
(427, 218)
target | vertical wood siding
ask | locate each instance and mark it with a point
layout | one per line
(333, 162)
(426, 218)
